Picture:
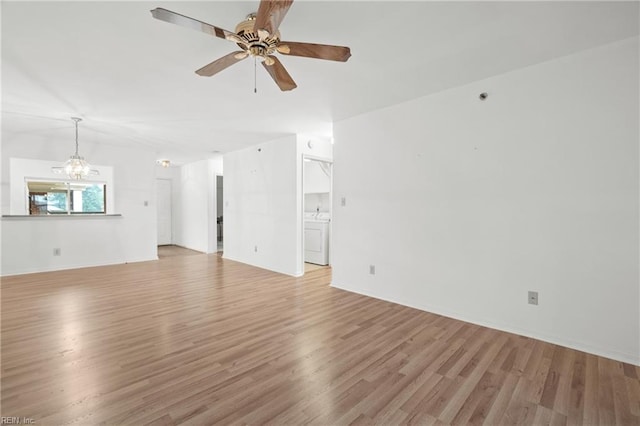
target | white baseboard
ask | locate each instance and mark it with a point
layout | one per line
(556, 340)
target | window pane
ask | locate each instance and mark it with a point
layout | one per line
(87, 198)
(37, 203)
(47, 198)
(56, 202)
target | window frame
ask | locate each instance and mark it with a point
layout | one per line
(69, 196)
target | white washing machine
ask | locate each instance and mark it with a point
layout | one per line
(316, 238)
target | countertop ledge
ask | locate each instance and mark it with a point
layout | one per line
(59, 216)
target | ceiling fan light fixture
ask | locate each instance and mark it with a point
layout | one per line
(268, 60)
(164, 163)
(235, 38)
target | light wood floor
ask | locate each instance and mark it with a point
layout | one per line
(171, 250)
(310, 267)
(201, 340)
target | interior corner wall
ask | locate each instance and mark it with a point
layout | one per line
(195, 206)
(27, 244)
(261, 206)
(465, 205)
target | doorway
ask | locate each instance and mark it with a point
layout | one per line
(219, 212)
(316, 213)
(163, 204)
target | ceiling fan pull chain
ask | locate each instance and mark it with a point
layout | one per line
(255, 79)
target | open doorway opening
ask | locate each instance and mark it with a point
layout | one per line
(316, 213)
(219, 213)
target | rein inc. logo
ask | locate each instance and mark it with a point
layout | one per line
(7, 420)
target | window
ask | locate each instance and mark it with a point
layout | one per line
(61, 197)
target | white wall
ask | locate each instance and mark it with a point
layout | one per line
(195, 205)
(315, 146)
(261, 205)
(27, 244)
(464, 206)
(86, 241)
(315, 202)
(315, 179)
(263, 202)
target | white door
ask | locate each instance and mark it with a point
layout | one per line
(163, 198)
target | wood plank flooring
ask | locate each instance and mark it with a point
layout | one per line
(173, 250)
(200, 340)
(310, 267)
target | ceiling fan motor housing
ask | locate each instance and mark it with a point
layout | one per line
(256, 46)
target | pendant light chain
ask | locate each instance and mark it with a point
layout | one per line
(76, 137)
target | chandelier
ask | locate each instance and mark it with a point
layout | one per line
(76, 167)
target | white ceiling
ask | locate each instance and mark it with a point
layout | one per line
(132, 77)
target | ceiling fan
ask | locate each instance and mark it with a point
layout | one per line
(258, 37)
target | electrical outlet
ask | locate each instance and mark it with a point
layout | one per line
(372, 269)
(255, 249)
(57, 251)
(343, 201)
(533, 298)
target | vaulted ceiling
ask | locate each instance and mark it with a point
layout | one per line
(132, 77)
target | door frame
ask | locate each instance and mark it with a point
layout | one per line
(215, 184)
(328, 161)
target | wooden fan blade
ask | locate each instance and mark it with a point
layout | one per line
(280, 75)
(312, 50)
(185, 21)
(270, 14)
(220, 64)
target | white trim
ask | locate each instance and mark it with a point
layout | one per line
(302, 209)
